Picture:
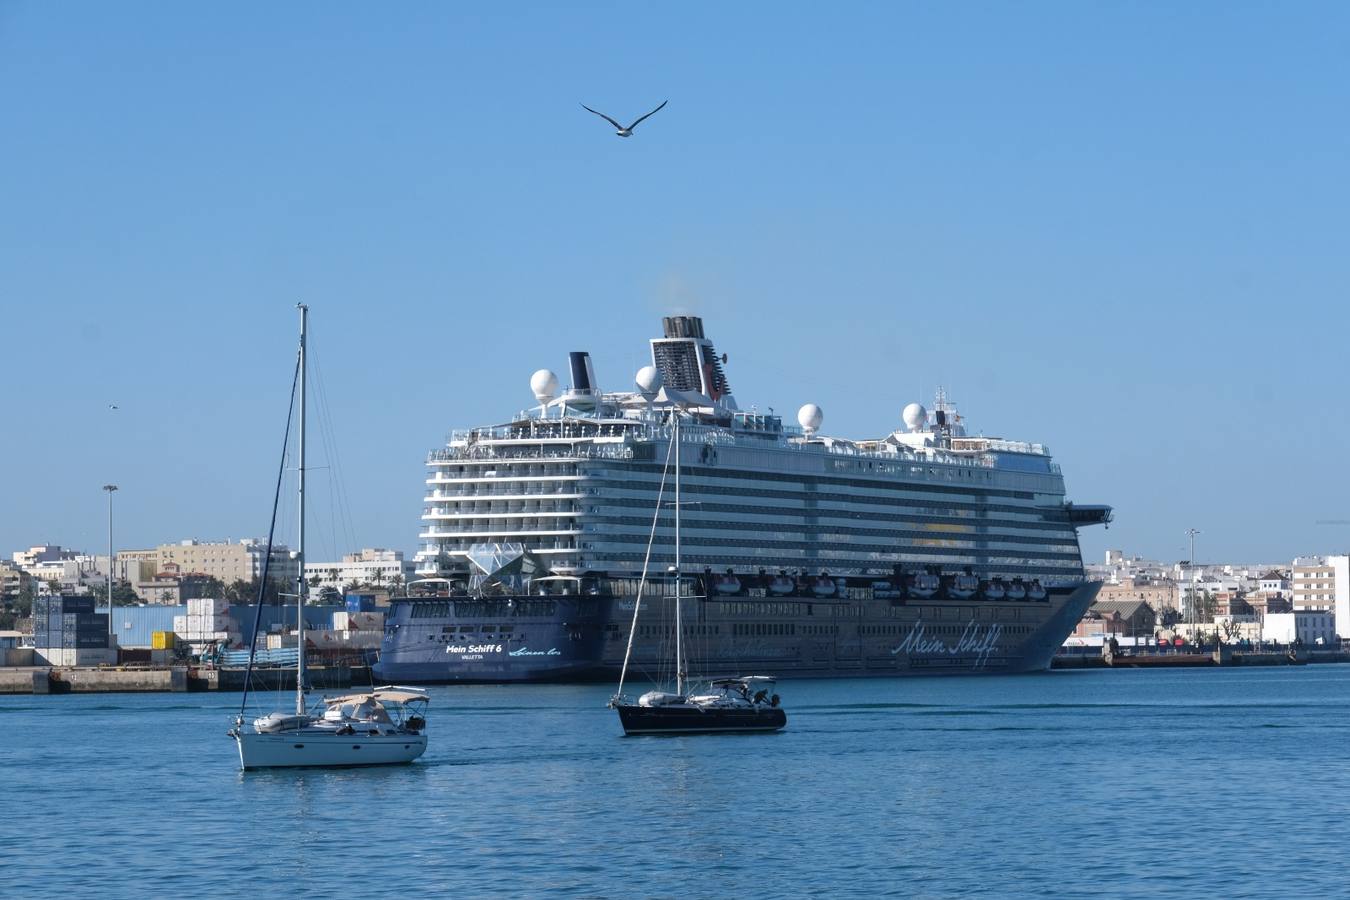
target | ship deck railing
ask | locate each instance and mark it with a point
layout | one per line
(476, 444)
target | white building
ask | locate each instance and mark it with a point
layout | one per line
(1312, 583)
(43, 553)
(227, 561)
(1272, 582)
(69, 574)
(1340, 571)
(374, 567)
(1311, 627)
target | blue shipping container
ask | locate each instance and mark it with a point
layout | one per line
(360, 603)
(136, 625)
(75, 604)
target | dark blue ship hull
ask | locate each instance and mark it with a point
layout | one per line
(502, 639)
(583, 638)
(689, 720)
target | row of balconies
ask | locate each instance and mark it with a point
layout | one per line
(452, 545)
(440, 493)
(507, 469)
(503, 523)
(513, 507)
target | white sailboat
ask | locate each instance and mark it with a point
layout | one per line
(383, 726)
(745, 703)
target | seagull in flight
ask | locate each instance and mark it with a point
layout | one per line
(624, 132)
(112, 406)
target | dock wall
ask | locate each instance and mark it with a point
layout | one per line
(70, 680)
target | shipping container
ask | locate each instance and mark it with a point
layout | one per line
(358, 621)
(136, 625)
(162, 640)
(319, 616)
(68, 656)
(360, 603)
(75, 603)
(208, 606)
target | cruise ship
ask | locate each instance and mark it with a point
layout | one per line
(927, 550)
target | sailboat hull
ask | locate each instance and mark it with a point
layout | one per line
(326, 749)
(698, 720)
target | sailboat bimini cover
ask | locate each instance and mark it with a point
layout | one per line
(509, 564)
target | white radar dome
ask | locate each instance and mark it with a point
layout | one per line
(545, 385)
(809, 417)
(648, 380)
(915, 416)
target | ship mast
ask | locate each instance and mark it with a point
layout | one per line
(679, 625)
(300, 562)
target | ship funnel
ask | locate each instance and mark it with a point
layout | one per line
(682, 326)
(583, 376)
(688, 364)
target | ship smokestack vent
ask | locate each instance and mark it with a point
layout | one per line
(682, 326)
(583, 376)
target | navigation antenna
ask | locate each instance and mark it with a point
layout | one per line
(941, 416)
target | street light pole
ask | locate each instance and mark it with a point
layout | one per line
(1192, 532)
(110, 488)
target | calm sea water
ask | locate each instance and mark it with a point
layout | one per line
(1064, 784)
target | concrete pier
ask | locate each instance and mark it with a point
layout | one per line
(1226, 659)
(107, 679)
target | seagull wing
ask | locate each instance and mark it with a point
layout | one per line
(652, 113)
(603, 116)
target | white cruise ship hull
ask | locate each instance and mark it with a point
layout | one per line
(327, 749)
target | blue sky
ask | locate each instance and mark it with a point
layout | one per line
(1116, 228)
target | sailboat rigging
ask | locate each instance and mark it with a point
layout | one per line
(383, 726)
(729, 704)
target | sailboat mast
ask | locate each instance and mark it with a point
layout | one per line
(679, 625)
(300, 562)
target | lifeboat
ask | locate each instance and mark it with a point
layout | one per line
(727, 584)
(781, 585)
(885, 590)
(823, 587)
(924, 585)
(1035, 591)
(273, 723)
(964, 586)
(1016, 590)
(993, 590)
